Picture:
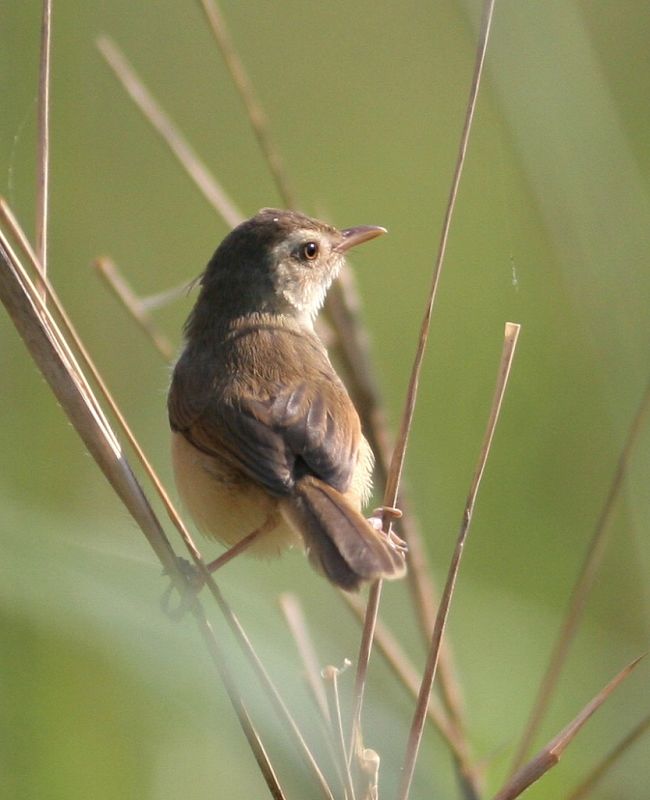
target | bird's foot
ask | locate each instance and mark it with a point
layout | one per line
(377, 522)
(187, 594)
(196, 578)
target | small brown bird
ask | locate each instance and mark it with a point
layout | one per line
(266, 443)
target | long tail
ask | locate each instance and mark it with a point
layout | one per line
(339, 541)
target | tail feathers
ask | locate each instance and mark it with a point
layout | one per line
(339, 541)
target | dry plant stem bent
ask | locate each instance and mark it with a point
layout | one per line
(417, 725)
(582, 586)
(51, 354)
(171, 511)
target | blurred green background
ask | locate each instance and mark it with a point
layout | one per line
(104, 697)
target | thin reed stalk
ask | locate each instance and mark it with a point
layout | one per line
(601, 769)
(417, 725)
(550, 755)
(58, 365)
(399, 453)
(43, 159)
(582, 586)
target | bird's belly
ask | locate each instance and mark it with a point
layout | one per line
(226, 505)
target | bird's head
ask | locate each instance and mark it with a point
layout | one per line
(277, 262)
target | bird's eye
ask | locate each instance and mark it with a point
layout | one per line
(309, 250)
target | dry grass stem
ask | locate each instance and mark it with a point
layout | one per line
(172, 566)
(585, 787)
(549, 756)
(331, 675)
(252, 736)
(157, 300)
(582, 586)
(72, 333)
(50, 352)
(343, 309)
(43, 159)
(196, 169)
(417, 725)
(257, 117)
(118, 284)
(53, 357)
(297, 623)
(9, 219)
(295, 618)
(399, 453)
(269, 687)
(365, 648)
(406, 672)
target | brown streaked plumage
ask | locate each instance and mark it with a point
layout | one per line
(265, 436)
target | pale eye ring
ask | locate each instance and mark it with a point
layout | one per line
(309, 251)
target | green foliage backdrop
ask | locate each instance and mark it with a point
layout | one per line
(102, 696)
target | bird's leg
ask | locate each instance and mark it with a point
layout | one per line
(241, 547)
(195, 579)
(377, 522)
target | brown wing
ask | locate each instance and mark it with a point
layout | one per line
(275, 434)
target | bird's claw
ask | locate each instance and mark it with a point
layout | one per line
(193, 585)
(377, 522)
